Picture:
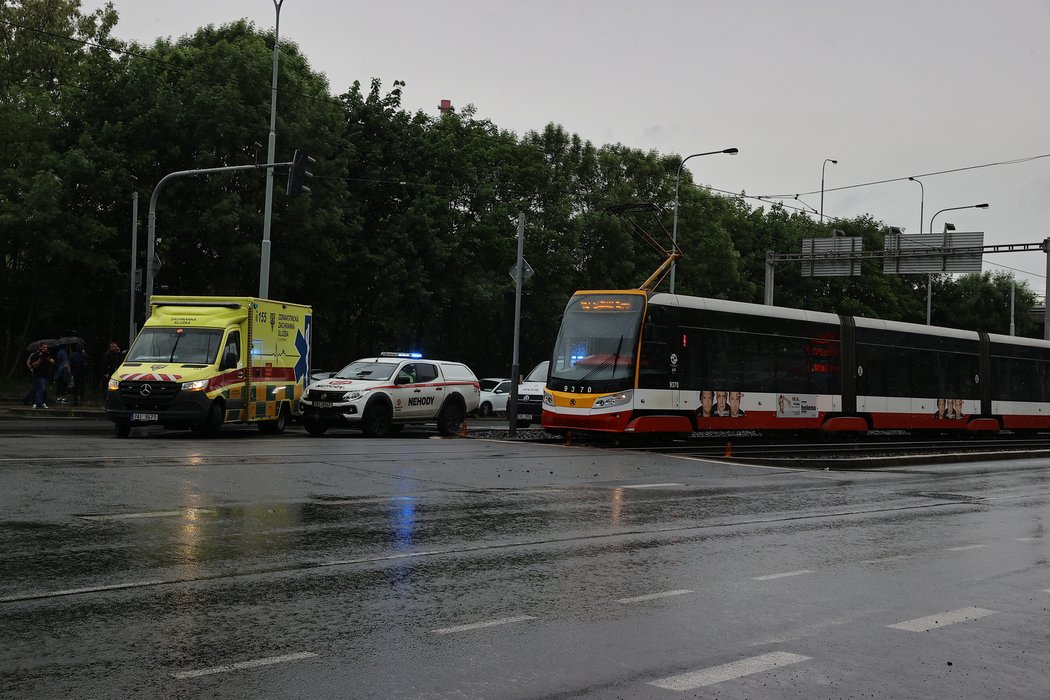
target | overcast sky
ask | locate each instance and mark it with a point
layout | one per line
(890, 89)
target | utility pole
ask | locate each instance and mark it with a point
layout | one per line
(271, 147)
(512, 409)
(134, 260)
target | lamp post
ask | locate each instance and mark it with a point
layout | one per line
(677, 179)
(969, 206)
(826, 161)
(929, 278)
(271, 146)
(922, 201)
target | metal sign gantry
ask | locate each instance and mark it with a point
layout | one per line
(846, 257)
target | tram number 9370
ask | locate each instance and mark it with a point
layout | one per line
(577, 389)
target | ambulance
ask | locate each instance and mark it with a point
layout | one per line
(202, 362)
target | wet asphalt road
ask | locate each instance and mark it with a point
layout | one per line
(253, 566)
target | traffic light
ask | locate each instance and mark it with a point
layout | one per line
(298, 174)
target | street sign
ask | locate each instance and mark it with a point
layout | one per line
(526, 270)
(831, 257)
(951, 251)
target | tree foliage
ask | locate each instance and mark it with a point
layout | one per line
(409, 232)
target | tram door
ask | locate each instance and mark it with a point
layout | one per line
(662, 364)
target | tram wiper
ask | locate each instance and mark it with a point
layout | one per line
(611, 360)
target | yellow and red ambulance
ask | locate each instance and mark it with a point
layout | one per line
(201, 362)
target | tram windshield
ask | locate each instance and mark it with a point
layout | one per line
(597, 342)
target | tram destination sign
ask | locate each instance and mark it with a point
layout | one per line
(832, 257)
(951, 251)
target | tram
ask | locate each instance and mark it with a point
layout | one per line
(634, 361)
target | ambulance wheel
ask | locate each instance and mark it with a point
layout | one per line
(276, 426)
(315, 428)
(485, 410)
(212, 424)
(122, 428)
(376, 421)
(451, 418)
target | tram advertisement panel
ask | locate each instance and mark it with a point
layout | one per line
(797, 406)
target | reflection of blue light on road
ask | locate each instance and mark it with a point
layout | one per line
(404, 517)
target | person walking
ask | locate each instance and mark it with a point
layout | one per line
(41, 364)
(63, 375)
(80, 364)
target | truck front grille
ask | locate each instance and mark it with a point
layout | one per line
(148, 396)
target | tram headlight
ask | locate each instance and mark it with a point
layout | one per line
(548, 399)
(624, 397)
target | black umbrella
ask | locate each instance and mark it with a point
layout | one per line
(70, 340)
(51, 342)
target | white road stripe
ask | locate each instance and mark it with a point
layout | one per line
(730, 671)
(74, 591)
(965, 547)
(654, 596)
(255, 663)
(770, 577)
(925, 624)
(1025, 539)
(153, 514)
(480, 625)
(899, 557)
(648, 486)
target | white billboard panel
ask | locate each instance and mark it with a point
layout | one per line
(952, 251)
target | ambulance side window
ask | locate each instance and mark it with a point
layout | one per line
(231, 354)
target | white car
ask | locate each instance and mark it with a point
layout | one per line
(530, 396)
(494, 395)
(381, 394)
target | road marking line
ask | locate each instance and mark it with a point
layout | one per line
(730, 671)
(770, 577)
(153, 514)
(479, 625)
(925, 624)
(965, 547)
(74, 591)
(1025, 539)
(255, 663)
(647, 486)
(899, 557)
(654, 596)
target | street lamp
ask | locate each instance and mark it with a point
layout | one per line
(970, 206)
(677, 178)
(826, 161)
(929, 278)
(922, 201)
(271, 147)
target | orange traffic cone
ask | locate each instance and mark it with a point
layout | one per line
(568, 438)
(729, 450)
(463, 429)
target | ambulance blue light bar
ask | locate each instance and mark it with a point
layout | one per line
(410, 355)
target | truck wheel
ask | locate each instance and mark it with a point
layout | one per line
(315, 428)
(376, 421)
(276, 426)
(122, 428)
(450, 420)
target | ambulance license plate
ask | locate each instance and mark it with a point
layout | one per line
(524, 416)
(323, 404)
(145, 417)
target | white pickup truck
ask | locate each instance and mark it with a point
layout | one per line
(382, 394)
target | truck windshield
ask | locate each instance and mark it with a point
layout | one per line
(596, 343)
(366, 369)
(188, 346)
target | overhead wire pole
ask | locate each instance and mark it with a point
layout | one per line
(519, 273)
(271, 147)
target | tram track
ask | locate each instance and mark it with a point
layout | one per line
(871, 451)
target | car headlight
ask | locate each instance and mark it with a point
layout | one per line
(113, 384)
(353, 395)
(624, 397)
(198, 385)
(548, 399)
